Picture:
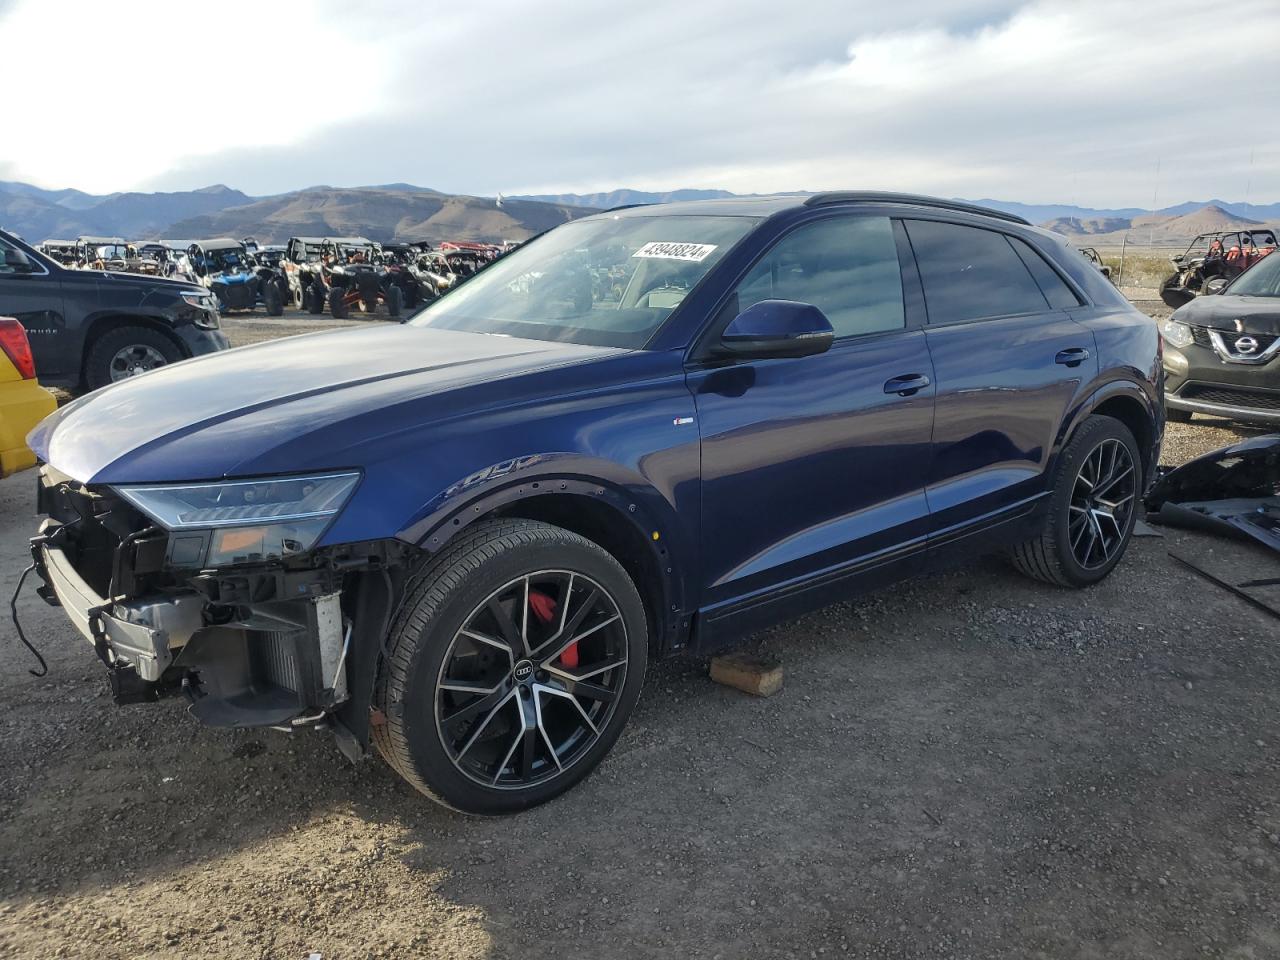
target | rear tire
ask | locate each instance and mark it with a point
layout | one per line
(1092, 508)
(460, 692)
(125, 351)
(395, 301)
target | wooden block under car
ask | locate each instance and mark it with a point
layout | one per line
(759, 676)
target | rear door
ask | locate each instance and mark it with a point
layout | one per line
(33, 294)
(1010, 364)
(813, 468)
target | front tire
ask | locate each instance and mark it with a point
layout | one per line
(1173, 415)
(317, 296)
(1173, 293)
(272, 301)
(1092, 508)
(513, 667)
(338, 303)
(126, 352)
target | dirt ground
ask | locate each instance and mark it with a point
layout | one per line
(970, 765)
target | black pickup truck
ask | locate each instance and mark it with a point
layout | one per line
(89, 328)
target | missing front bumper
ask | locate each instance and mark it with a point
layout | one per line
(258, 664)
(142, 633)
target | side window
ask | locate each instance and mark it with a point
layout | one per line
(1058, 294)
(970, 273)
(845, 266)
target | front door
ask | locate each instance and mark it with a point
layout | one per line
(813, 468)
(33, 294)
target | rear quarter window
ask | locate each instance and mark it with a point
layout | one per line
(1055, 290)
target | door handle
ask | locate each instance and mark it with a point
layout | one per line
(907, 385)
(1072, 357)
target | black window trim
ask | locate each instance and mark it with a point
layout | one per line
(700, 350)
(999, 316)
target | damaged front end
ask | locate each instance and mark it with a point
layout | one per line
(1234, 490)
(215, 591)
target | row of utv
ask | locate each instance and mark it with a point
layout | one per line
(1212, 260)
(340, 275)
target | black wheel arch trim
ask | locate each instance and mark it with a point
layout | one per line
(1088, 403)
(631, 509)
(1150, 401)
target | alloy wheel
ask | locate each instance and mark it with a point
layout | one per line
(135, 359)
(531, 679)
(1102, 502)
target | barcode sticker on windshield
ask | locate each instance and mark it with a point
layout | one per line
(661, 250)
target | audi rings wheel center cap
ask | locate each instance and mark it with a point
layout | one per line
(523, 671)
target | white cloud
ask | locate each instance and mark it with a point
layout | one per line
(116, 93)
(1040, 101)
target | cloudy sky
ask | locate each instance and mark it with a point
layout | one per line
(1096, 103)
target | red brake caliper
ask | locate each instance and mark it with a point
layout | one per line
(544, 608)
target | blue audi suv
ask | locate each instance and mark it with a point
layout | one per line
(460, 540)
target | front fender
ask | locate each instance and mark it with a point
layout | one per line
(633, 502)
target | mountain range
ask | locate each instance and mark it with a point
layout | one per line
(380, 213)
(403, 211)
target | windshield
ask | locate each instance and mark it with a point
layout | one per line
(356, 253)
(227, 260)
(1262, 280)
(602, 282)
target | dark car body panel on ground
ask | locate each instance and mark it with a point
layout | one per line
(63, 310)
(735, 491)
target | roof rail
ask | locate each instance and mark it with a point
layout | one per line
(876, 196)
(626, 206)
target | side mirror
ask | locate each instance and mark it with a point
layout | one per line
(776, 328)
(18, 260)
(1216, 285)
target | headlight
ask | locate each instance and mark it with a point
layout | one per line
(1176, 334)
(244, 521)
(207, 302)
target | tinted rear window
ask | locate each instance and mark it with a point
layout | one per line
(971, 274)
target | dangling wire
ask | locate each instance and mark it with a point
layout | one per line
(13, 611)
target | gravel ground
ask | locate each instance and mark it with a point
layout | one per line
(970, 765)
(244, 329)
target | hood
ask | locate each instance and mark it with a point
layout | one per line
(1222, 311)
(300, 403)
(131, 280)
